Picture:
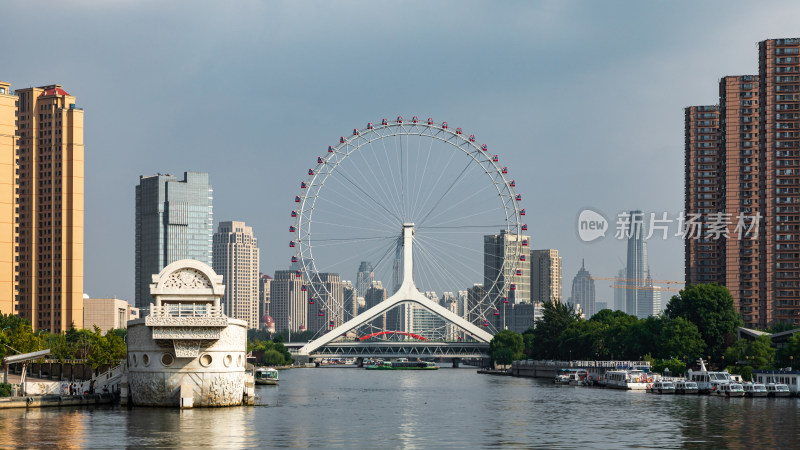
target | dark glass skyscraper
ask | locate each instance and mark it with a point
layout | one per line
(174, 221)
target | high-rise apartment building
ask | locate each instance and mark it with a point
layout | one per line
(502, 276)
(583, 291)
(174, 221)
(545, 276)
(350, 299)
(330, 291)
(742, 168)
(9, 209)
(235, 257)
(48, 220)
(702, 194)
(289, 302)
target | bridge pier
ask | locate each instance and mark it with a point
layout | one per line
(360, 363)
(456, 362)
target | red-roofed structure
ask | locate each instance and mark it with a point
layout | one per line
(54, 91)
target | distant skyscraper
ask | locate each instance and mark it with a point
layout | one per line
(620, 302)
(174, 221)
(289, 303)
(500, 273)
(635, 296)
(41, 192)
(350, 299)
(651, 304)
(475, 295)
(264, 291)
(328, 287)
(599, 306)
(374, 295)
(545, 276)
(583, 291)
(364, 278)
(236, 259)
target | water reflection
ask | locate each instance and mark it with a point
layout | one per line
(398, 409)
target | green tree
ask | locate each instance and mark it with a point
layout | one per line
(506, 345)
(680, 338)
(642, 337)
(710, 307)
(273, 357)
(527, 342)
(675, 365)
(757, 353)
(556, 317)
(785, 356)
(615, 326)
(108, 349)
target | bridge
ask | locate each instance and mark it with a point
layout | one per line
(330, 343)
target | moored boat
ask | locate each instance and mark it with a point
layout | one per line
(754, 390)
(403, 365)
(266, 375)
(636, 380)
(708, 382)
(730, 390)
(777, 390)
(662, 387)
(685, 387)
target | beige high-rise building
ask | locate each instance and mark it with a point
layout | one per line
(545, 276)
(49, 252)
(235, 257)
(8, 197)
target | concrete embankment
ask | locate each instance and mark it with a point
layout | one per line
(43, 401)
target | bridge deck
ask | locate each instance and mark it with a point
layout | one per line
(400, 349)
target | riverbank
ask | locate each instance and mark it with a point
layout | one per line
(44, 401)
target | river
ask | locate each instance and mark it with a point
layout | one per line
(347, 407)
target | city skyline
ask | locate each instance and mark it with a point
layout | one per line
(623, 56)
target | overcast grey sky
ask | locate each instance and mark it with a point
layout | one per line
(582, 99)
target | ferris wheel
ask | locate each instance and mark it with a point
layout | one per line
(361, 192)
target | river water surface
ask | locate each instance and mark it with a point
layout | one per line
(355, 408)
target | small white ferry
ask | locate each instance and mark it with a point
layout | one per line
(266, 375)
(662, 387)
(635, 380)
(684, 387)
(777, 390)
(708, 382)
(730, 390)
(754, 390)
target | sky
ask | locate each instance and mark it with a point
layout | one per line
(583, 100)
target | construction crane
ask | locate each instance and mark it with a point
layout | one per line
(633, 283)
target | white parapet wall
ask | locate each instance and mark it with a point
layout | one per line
(186, 353)
(216, 376)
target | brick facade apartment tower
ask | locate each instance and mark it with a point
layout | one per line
(50, 167)
(743, 159)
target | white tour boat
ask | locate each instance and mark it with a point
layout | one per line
(685, 387)
(754, 390)
(730, 390)
(777, 390)
(707, 381)
(266, 375)
(635, 380)
(662, 387)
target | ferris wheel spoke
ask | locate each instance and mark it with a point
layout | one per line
(368, 196)
(362, 176)
(453, 205)
(460, 176)
(383, 178)
(420, 184)
(337, 212)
